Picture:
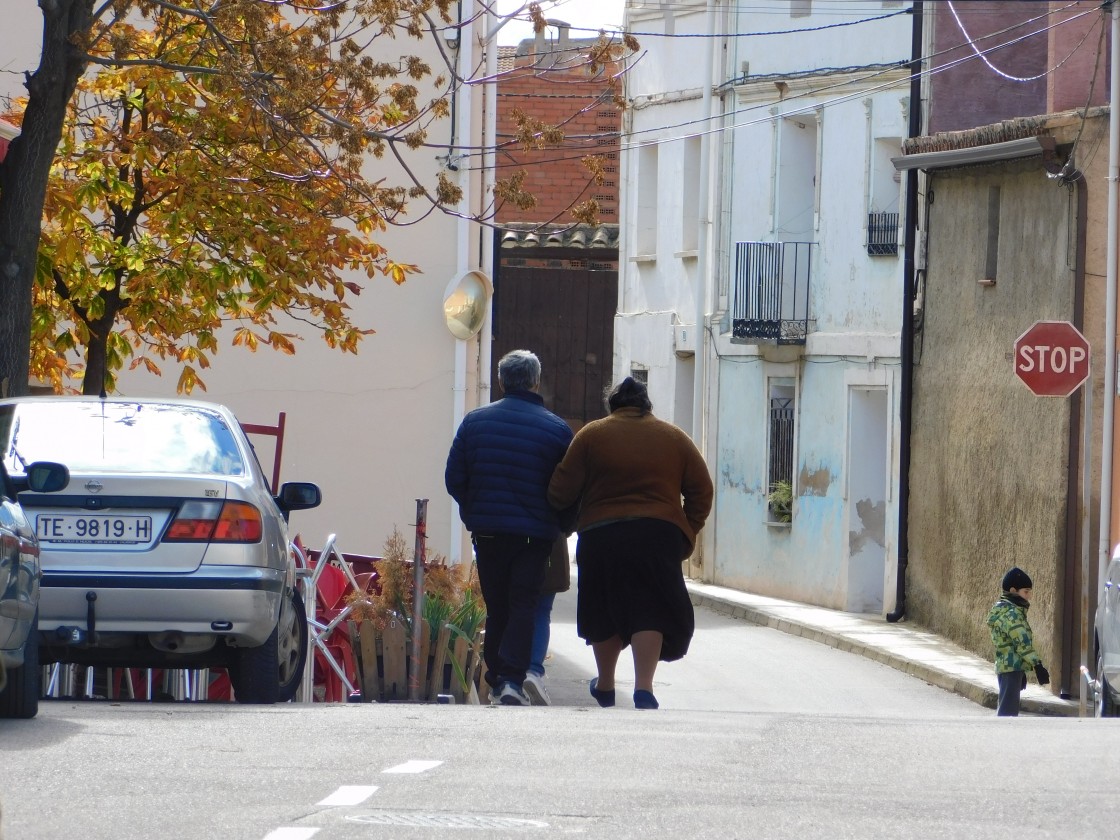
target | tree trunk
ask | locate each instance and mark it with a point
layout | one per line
(93, 383)
(23, 179)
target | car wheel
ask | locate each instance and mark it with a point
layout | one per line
(20, 697)
(271, 673)
(292, 644)
(1105, 705)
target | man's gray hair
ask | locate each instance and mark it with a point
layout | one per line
(519, 370)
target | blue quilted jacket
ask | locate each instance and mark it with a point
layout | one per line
(500, 464)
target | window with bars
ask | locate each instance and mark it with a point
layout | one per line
(781, 439)
(882, 234)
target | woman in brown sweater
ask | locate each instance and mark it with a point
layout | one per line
(629, 472)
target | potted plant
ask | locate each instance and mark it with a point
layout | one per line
(452, 620)
(780, 500)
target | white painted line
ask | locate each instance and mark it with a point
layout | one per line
(348, 795)
(291, 834)
(413, 767)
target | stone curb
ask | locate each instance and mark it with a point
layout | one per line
(1035, 700)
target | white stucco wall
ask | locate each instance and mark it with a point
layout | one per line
(851, 358)
(658, 285)
(847, 373)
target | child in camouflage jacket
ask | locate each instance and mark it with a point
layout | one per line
(1014, 642)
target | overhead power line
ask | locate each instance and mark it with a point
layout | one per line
(976, 53)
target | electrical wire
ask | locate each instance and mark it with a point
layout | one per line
(595, 139)
(844, 98)
(863, 91)
(991, 66)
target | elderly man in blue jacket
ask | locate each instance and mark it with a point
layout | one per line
(498, 471)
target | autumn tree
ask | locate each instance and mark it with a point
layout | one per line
(210, 169)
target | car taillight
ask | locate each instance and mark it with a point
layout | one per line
(215, 522)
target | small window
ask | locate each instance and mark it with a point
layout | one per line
(780, 461)
(800, 8)
(882, 234)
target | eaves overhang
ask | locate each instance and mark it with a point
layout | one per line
(971, 155)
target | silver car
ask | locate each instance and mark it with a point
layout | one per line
(1107, 642)
(169, 549)
(19, 591)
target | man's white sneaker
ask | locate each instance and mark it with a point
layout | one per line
(534, 687)
(512, 695)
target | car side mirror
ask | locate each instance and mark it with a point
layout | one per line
(47, 477)
(299, 495)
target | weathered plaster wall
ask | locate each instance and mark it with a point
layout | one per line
(988, 458)
(805, 561)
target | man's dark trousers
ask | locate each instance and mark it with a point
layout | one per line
(511, 572)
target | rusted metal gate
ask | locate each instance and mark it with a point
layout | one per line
(566, 317)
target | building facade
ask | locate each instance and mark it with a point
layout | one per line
(796, 289)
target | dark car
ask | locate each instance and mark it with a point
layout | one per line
(19, 590)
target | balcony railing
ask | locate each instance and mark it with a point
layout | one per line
(882, 234)
(771, 295)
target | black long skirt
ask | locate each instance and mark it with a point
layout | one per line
(630, 579)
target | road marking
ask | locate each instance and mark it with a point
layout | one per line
(413, 767)
(289, 833)
(420, 820)
(348, 795)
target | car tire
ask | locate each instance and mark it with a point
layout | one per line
(20, 697)
(291, 646)
(271, 672)
(1105, 705)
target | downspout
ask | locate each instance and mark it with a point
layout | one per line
(1105, 537)
(907, 350)
(1070, 658)
(461, 124)
(489, 176)
(704, 268)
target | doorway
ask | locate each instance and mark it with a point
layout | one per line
(868, 450)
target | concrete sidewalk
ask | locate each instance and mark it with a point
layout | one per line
(903, 646)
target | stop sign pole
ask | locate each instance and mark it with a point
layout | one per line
(1052, 358)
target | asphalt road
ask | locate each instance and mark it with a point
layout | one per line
(760, 735)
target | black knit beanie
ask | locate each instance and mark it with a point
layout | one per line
(1016, 578)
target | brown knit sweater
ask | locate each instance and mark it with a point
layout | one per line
(632, 465)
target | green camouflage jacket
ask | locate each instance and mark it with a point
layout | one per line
(1012, 638)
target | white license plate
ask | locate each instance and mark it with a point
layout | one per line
(88, 528)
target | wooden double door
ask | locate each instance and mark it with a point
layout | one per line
(566, 317)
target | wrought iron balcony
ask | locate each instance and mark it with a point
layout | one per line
(882, 234)
(771, 295)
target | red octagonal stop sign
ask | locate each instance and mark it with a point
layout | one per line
(1052, 358)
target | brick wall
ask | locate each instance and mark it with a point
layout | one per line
(583, 105)
(967, 94)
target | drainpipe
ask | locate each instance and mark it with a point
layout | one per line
(489, 175)
(1078, 409)
(907, 350)
(1105, 537)
(461, 126)
(704, 262)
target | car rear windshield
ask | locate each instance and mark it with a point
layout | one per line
(119, 437)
